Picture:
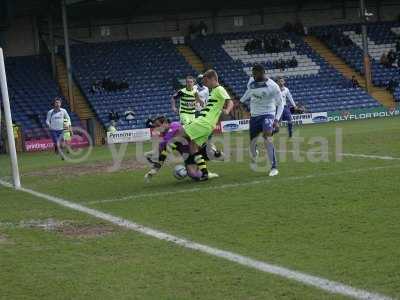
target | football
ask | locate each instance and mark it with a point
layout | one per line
(180, 172)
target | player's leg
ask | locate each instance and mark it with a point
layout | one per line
(198, 133)
(67, 138)
(268, 129)
(53, 136)
(192, 168)
(254, 130)
(156, 164)
(186, 118)
(210, 152)
(215, 153)
(56, 136)
(287, 116)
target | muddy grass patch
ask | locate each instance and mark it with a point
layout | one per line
(5, 240)
(66, 228)
(86, 231)
(73, 170)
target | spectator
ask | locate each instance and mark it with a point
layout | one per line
(149, 122)
(96, 86)
(247, 47)
(192, 31)
(354, 82)
(203, 28)
(112, 128)
(113, 116)
(398, 59)
(110, 85)
(338, 39)
(392, 85)
(122, 86)
(293, 62)
(391, 57)
(288, 27)
(384, 60)
(286, 44)
(299, 28)
(281, 64)
(398, 46)
(129, 115)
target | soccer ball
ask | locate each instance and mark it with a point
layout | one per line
(180, 172)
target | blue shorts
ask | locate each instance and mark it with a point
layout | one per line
(260, 124)
(56, 135)
(286, 114)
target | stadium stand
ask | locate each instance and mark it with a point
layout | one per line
(32, 90)
(382, 38)
(313, 83)
(397, 93)
(148, 66)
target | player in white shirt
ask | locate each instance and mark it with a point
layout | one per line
(203, 93)
(266, 106)
(287, 115)
(55, 122)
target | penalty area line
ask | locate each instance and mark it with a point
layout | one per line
(321, 283)
(238, 184)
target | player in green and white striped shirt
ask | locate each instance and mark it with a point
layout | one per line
(188, 98)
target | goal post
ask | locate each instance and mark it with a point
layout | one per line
(7, 116)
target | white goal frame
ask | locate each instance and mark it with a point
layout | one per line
(10, 132)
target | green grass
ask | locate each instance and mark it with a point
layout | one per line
(340, 223)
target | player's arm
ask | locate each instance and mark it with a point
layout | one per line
(290, 98)
(66, 116)
(245, 98)
(198, 100)
(279, 106)
(48, 118)
(229, 106)
(175, 97)
(251, 79)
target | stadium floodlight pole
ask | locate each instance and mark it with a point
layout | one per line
(67, 54)
(9, 126)
(367, 63)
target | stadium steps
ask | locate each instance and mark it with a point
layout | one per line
(80, 104)
(380, 94)
(191, 58)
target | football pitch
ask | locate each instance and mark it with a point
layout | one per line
(96, 230)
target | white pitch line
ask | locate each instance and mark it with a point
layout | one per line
(360, 155)
(370, 156)
(239, 184)
(307, 279)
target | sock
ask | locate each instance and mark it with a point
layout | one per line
(172, 146)
(162, 156)
(203, 152)
(290, 128)
(271, 153)
(253, 150)
(201, 163)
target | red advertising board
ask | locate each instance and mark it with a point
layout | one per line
(47, 144)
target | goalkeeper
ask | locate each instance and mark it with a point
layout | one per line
(168, 131)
